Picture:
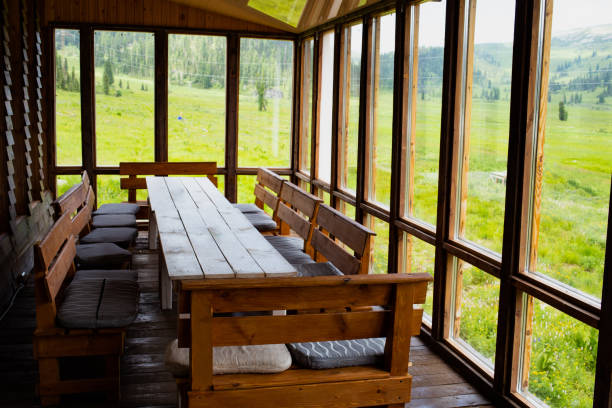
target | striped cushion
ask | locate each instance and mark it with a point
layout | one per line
(340, 353)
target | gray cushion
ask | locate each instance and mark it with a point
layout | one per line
(296, 257)
(111, 274)
(113, 220)
(248, 208)
(339, 353)
(117, 208)
(262, 222)
(318, 269)
(283, 242)
(120, 236)
(103, 255)
(98, 303)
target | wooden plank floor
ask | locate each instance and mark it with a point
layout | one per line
(146, 383)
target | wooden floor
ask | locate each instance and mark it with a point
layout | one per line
(145, 382)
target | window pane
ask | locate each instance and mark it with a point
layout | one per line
(346, 209)
(380, 245)
(109, 190)
(326, 100)
(67, 98)
(378, 172)
(246, 187)
(265, 101)
(475, 306)
(306, 113)
(350, 80)
(419, 257)
(561, 366)
(286, 11)
(64, 182)
(573, 174)
(424, 134)
(196, 98)
(125, 95)
(482, 183)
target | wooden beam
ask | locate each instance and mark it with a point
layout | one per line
(88, 103)
(336, 122)
(161, 96)
(363, 102)
(314, 134)
(231, 116)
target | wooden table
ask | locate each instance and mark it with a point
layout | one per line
(203, 236)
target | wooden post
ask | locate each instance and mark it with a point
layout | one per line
(201, 363)
(363, 102)
(161, 96)
(336, 120)
(88, 105)
(314, 134)
(231, 116)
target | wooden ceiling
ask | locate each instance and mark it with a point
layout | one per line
(315, 12)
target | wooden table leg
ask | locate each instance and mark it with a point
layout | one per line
(152, 230)
(165, 286)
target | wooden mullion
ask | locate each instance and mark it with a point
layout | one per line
(363, 101)
(603, 372)
(231, 115)
(88, 105)
(344, 102)
(296, 116)
(161, 96)
(314, 133)
(336, 120)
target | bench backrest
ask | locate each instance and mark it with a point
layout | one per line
(267, 189)
(346, 231)
(135, 169)
(397, 322)
(53, 262)
(71, 200)
(81, 222)
(296, 211)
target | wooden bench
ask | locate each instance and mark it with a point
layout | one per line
(357, 386)
(267, 191)
(54, 268)
(133, 170)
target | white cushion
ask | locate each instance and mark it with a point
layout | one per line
(266, 358)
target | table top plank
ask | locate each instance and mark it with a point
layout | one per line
(210, 257)
(181, 261)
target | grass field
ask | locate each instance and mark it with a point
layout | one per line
(576, 182)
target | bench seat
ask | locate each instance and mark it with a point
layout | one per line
(113, 220)
(102, 255)
(338, 353)
(317, 269)
(117, 208)
(98, 303)
(110, 274)
(261, 221)
(248, 208)
(120, 236)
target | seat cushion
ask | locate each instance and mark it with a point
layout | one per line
(98, 303)
(283, 242)
(318, 269)
(267, 358)
(113, 220)
(248, 208)
(340, 353)
(117, 208)
(120, 236)
(102, 255)
(262, 222)
(296, 257)
(110, 274)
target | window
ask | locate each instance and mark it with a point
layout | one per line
(417, 256)
(125, 95)
(265, 101)
(306, 108)
(379, 262)
(380, 110)
(67, 98)
(474, 306)
(246, 187)
(349, 106)
(571, 164)
(482, 152)
(423, 111)
(326, 100)
(558, 357)
(196, 98)
(64, 182)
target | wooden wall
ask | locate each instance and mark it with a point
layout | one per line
(146, 13)
(24, 200)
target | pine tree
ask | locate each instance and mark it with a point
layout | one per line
(106, 80)
(562, 112)
(120, 84)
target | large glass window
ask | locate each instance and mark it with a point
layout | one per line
(572, 162)
(125, 95)
(380, 107)
(379, 260)
(349, 106)
(306, 107)
(196, 98)
(417, 256)
(423, 111)
(482, 154)
(67, 98)
(265, 101)
(326, 100)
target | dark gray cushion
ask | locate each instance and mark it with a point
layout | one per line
(248, 208)
(340, 353)
(113, 220)
(318, 269)
(262, 222)
(283, 242)
(103, 255)
(98, 303)
(296, 257)
(117, 208)
(110, 274)
(120, 236)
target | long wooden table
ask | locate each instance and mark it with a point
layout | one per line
(203, 236)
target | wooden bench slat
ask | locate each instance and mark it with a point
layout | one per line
(54, 239)
(300, 199)
(270, 179)
(347, 263)
(298, 224)
(345, 229)
(61, 267)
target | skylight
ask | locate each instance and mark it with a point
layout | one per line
(287, 11)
